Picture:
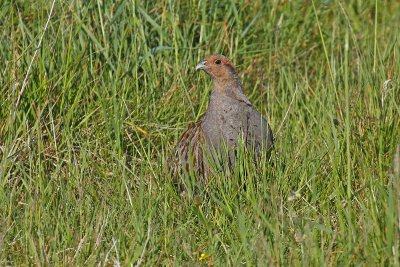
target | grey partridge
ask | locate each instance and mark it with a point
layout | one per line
(230, 116)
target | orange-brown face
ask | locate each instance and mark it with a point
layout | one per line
(217, 66)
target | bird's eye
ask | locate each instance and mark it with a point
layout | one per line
(217, 61)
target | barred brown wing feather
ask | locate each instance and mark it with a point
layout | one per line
(189, 151)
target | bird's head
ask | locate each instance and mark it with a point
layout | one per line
(218, 67)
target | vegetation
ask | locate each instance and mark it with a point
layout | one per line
(112, 85)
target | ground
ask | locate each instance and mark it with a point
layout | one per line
(94, 94)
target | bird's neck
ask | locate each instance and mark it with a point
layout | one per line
(231, 88)
(227, 85)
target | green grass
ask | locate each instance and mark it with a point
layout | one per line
(112, 87)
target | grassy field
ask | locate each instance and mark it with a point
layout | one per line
(95, 94)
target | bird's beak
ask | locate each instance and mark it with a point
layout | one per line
(201, 66)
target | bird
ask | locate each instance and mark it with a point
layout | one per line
(230, 117)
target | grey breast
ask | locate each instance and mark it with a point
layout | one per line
(228, 119)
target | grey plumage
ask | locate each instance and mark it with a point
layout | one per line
(229, 117)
